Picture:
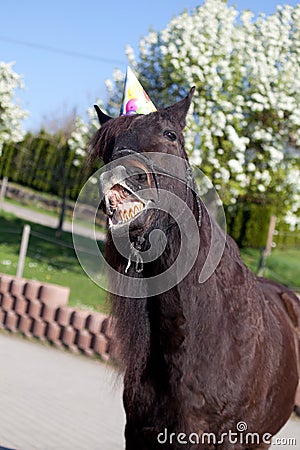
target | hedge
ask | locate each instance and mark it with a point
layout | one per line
(248, 224)
(41, 162)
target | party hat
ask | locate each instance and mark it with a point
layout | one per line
(135, 99)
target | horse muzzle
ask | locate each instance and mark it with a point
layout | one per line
(125, 193)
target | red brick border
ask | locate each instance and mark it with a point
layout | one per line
(41, 310)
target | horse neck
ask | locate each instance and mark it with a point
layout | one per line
(157, 331)
(190, 310)
(174, 312)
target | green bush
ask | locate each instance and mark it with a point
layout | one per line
(285, 238)
(43, 163)
(248, 223)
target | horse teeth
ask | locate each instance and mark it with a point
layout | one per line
(128, 210)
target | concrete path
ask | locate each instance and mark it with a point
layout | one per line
(289, 436)
(48, 220)
(53, 400)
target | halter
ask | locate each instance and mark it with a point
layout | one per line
(189, 181)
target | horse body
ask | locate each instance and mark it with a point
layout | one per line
(215, 358)
(200, 357)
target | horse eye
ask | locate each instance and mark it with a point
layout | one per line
(170, 135)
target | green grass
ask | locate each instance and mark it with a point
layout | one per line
(282, 265)
(251, 258)
(48, 260)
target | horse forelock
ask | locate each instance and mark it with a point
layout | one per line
(102, 143)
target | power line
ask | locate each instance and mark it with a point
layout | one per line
(61, 51)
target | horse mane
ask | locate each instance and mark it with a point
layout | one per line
(132, 341)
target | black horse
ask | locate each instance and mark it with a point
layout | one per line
(200, 357)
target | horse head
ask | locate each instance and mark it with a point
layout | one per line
(144, 155)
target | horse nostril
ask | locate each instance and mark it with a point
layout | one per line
(142, 177)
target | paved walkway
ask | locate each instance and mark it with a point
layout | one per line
(53, 400)
(47, 220)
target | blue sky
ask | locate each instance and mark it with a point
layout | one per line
(57, 83)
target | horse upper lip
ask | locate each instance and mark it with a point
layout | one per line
(109, 211)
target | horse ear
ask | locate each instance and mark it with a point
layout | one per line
(180, 109)
(101, 116)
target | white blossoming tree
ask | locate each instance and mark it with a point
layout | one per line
(11, 113)
(244, 130)
(77, 141)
